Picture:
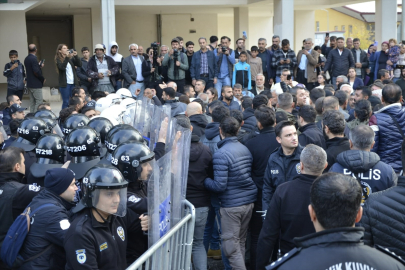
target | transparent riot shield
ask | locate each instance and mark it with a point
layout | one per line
(161, 117)
(159, 199)
(58, 131)
(180, 163)
(130, 111)
(138, 120)
(3, 131)
(144, 116)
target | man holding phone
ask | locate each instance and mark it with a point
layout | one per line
(35, 80)
(284, 58)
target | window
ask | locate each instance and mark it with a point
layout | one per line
(343, 28)
(350, 29)
(317, 26)
(336, 28)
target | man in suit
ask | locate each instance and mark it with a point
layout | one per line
(360, 59)
(307, 59)
(35, 80)
(132, 71)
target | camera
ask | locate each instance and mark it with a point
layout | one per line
(71, 51)
(175, 52)
(224, 49)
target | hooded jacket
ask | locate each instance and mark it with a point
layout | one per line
(310, 134)
(199, 169)
(372, 174)
(232, 174)
(249, 119)
(199, 122)
(177, 107)
(388, 138)
(211, 137)
(382, 215)
(334, 147)
(118, 58)
(280, 168)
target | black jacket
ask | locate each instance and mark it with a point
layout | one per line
(334, 147)
(90, 244)
(200, 167)
(199, 122)
(372, 174)
(383, 214)
(92, 70)
(61, 66)
(310, 134)
(339, 64)
(34, 72)
(363, 60)
(340, 248)
(149, 77)
(15, 77)
(82, 73)
(56, 221)
(286, 218)
(249, 119)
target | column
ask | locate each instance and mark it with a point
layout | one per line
(241, 23)
(403, 21)
(283, 20)
(385, 20)
(304, 28)
(108, 21)
(96, 34)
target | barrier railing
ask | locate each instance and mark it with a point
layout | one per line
(173, 250)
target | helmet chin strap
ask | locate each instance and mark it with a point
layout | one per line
(105, 220)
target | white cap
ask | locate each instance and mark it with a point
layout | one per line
(102, 104)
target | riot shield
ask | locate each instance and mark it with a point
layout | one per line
(161, 115)
(129, 114)
(144, 116)
(180, 163)
(3, 132)
(159, 199)
(58, 131)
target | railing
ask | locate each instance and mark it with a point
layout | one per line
(173, 250)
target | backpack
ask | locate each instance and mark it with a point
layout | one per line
(15, 238)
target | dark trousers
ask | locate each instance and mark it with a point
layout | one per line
(208, 83)
(159, 91)
(301, 79)
(180, 85)
(266, 80)
(18, 93)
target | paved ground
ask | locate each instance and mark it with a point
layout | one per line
(56, 106)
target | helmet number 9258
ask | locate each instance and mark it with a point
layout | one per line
(77, 148)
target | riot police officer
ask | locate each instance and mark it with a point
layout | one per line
(50, 153)
(102, 125)
(82, 145)
(29, 131)
(135, 162)
(98, 235)
(74, 121)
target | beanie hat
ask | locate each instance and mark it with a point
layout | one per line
(58, 180)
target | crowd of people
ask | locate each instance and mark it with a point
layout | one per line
(296, 160)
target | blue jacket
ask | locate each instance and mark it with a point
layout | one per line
(387, 138)
(250, 120)
(6, 116)
(234, 105)
(211, 137)
(195, 67)
(48, 226)
(15, 77)
(372, 174)
(280, 169)
(232, 174)
(357, 83)
(242, 75)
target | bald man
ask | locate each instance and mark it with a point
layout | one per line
(197, 119)
(35, 80)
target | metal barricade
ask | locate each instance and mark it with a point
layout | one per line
(173, 250)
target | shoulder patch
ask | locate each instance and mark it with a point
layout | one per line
(286, 257)
(64, 224)
(34, 188)
(389, 253)
(134, 199)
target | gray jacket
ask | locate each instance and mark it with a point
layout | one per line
(129, 71)
(168, 61)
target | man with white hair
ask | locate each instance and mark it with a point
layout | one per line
(132, 70)
(260, 79)
(307, 59)
(174, 86)
(341, 79)
(347, 88)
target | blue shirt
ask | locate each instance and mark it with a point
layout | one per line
(223, 70)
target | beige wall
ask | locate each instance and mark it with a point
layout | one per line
(225, 28)
(304, 28)
(134, 28)
(180, 25)
(96, 34)
(13, 36)
(82, 32)
(259, 27)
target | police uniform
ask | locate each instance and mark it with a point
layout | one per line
(337, 249)
(90, 244)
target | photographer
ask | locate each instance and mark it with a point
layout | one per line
(66, 60)
(151, 68)
(225, 58)
(177, 63)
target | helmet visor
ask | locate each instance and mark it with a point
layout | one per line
(58, 131)
(111, 201)
(145, 170)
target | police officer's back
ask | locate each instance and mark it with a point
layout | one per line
(98, 235)
(14, 196)
(49, 225)
(337, 244)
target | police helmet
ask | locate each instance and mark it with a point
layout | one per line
(115, 98)
(29, 131)
(74, 121)
(102, 104)
(83, 141)
(50, 153)
(45, 114)
(130, 158)
(102, 125)
(123, 134)
(114, 111)
(124, 93)
(101, 181)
